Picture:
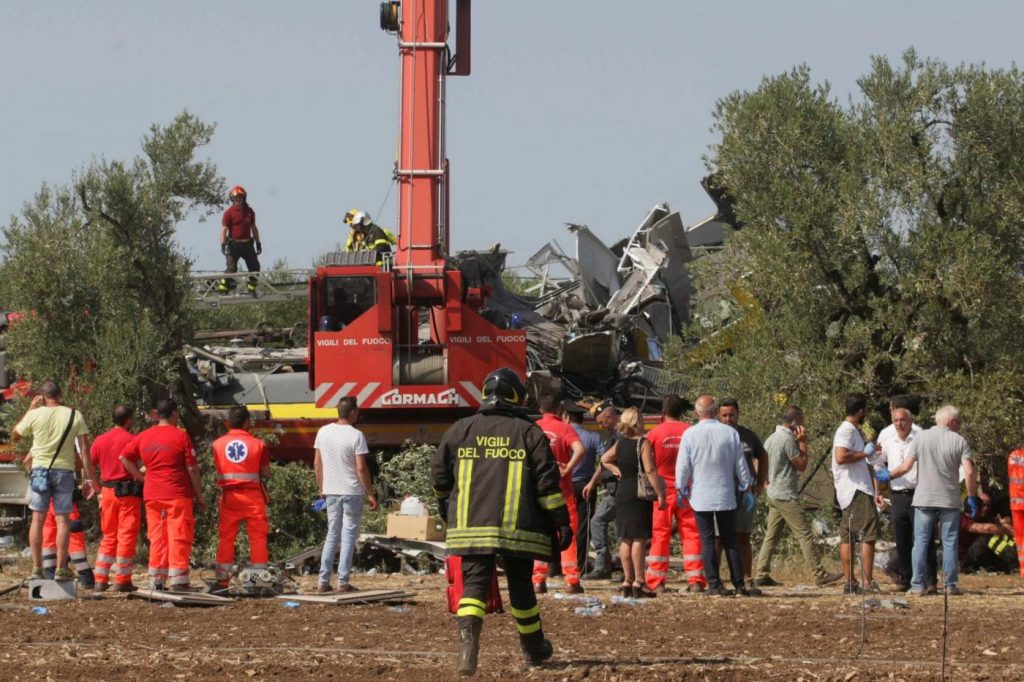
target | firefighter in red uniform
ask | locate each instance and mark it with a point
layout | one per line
(568, 450)
(665, 439)
(243, 465)
(239, 239)
(120, 505)
(1015, 469)
(171, 487)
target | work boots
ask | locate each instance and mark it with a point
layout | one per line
(469, 643)
(535, 648)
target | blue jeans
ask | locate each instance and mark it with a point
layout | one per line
(604, 516)
(343, 515)
(925, 520)
(61, 490)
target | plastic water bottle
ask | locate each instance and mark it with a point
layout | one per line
(588, 611)
(627, 601)
(40, 610)
(290, 604)
(411, 506)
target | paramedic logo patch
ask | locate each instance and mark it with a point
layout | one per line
(236, 451)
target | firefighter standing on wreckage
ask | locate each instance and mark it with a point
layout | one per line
(239, 239)
(505, 500)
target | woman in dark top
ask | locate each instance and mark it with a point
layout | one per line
(633, 517)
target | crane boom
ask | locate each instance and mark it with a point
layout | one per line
(408, 334)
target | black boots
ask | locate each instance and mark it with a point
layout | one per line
(469, 643)
(535, 648)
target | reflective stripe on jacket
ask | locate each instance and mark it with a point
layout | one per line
(503, 486)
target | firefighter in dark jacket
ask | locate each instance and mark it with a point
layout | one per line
(496, 475)
(366, 235)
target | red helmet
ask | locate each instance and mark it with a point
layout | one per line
(236, 191)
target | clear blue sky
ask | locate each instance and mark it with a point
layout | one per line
(580, 110)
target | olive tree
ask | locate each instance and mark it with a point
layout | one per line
(881, 247)
(95, 266)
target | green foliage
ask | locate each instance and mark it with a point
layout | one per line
(107, 286)
(405, 473)
(881, 247)
(518, 284)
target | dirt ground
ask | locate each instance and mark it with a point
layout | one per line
(795, 632)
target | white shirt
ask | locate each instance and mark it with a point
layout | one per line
(849, 478)
(894, 449)
(339, 445)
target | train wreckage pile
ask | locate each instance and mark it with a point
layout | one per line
(597, 323)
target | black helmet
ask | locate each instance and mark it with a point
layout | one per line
(503, 386)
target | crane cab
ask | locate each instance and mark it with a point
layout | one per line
(401, 342)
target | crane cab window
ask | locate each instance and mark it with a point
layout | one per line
(345, 299)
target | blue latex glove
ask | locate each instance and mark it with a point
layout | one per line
(682, 495)
(749, 501)
(318, 505)
(882, 475)
(972, 506)
(869, 449)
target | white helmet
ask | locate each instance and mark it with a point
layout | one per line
(356, 218)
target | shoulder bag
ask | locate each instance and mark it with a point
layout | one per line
(39, 478)
(644, 490)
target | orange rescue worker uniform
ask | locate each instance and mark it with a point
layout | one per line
(76, 546)
(561, 437)
(241, 459)
(1015, 469)
(665, 439)
(120, 505)
(171, 486)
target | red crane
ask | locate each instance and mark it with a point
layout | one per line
(413, 346)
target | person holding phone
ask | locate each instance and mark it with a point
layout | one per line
(58, 437)
(787, 458)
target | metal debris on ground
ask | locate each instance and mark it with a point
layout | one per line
(887, 603)
(182, 598)
(360, 597)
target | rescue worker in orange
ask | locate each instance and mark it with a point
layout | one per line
(243, 466)
(239, 239)
(120, 505)
(171, 487)
(569, 451)
(1015, 469)
(76, 547)
(665, 439)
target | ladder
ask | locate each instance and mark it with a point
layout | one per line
(272, 286)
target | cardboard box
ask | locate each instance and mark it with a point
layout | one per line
(415, 527)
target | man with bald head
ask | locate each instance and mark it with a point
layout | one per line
(939, 452)
(710, 462)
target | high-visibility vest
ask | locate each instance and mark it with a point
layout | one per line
(237, 456)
